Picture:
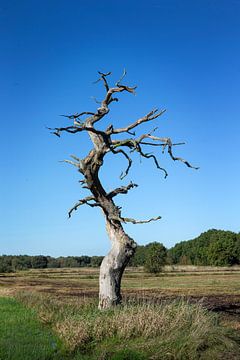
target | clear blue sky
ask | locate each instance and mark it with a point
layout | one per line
(183, 55)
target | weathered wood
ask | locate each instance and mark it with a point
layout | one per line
(113, 265)
(122, 246)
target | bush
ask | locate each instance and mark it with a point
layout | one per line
(156, 255)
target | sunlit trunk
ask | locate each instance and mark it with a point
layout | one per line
(113, 265)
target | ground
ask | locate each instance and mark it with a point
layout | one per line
(216, 289)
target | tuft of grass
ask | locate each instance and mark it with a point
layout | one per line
(175, 330)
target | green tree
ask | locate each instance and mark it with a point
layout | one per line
(156, 255)
(84, 260)
(139, 257)
(53, 263)
(39, 262)
(213, 247)
(21, 262)
(96, 261)
(5, 264)
(223, 252)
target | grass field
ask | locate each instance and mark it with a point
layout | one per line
(158, 324)
(22, 336)
(192, 282)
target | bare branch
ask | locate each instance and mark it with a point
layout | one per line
(103, 109)
(133, 221)
(78, 163)
(76, 158)
(56, 133)
(148, 156)
(113, 99)
(77, 115)
(155, 138)
(180, 159)
(71, 163)
(85, 201)
(154, 114)
(78, 127)
(134, 145)
(103, 144)
(96, 100)
(164, 145)
(123, 174)
(69, 129)
(121, 190)
(83, 183)
(121, 78)
(103, 78)
(126, 88)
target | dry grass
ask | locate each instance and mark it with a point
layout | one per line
(176, 330)
(200, 269)
(152, 323)
(182, 280)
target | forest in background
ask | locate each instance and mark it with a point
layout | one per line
(213, 247)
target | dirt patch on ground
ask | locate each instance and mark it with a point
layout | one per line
(212, 302)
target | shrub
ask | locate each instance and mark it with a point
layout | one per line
(156, 255)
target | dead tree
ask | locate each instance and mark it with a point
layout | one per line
(104, 142)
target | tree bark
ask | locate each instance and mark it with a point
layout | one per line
(113, 265)
(122, 246)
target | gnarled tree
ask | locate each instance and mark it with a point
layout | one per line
(104, 142)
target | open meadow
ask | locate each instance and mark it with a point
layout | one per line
(214, 286)
(185, 312)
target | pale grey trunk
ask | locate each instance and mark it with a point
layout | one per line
(113, 266)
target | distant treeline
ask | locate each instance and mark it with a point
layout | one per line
(11, 263)
(213, 247)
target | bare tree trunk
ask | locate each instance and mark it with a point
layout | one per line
(113, 265)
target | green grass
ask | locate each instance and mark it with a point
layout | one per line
(68, 325)
(22, 336)
(170, 331)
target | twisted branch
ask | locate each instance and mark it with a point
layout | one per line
(77, 115)
(121, 190)
(133, 221)
(121, 78)
(180, 159)
(78, 127)
(154, 114)
(103, 143)
(103, 78)
(136, 145)
(120, 151)
(83, 202)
